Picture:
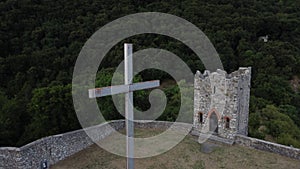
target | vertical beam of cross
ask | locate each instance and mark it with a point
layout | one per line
(128, 89)
(129, 106)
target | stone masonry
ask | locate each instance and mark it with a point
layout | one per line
(53, 149)
(221, 102)
(56, 148)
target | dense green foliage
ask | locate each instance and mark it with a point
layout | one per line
(41, 39)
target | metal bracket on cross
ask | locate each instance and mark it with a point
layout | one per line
(128, 89)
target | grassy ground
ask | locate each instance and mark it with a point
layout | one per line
(187, 154)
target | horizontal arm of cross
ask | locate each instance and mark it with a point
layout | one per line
(111, 90)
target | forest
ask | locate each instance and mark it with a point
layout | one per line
(41, 39)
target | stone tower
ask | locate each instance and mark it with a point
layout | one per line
(222, 102)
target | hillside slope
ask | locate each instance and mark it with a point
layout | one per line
(41, 39)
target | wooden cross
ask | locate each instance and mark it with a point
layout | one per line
(128, 89)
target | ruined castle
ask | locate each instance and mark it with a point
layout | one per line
(221, 102)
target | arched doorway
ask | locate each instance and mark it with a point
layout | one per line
(213, 122)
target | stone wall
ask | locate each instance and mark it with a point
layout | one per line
(225, 94)
(268, 146)
(58, 147)
(52, 148)
(244, 86)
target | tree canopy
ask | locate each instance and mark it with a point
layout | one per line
(41, 39)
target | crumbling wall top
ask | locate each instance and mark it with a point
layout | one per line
(239, 72)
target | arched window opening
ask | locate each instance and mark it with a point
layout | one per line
(200, 117)
(227, 122)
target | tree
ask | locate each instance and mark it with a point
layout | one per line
(280, 125)
(51, 112)
(12, 120)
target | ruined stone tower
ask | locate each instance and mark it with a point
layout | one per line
(222, 102)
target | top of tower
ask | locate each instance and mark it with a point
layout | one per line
(239, 72)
